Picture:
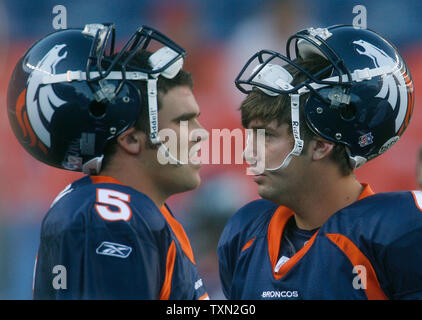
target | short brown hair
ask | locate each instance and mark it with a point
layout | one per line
(183, 78)
(259, 105)
(140, 60)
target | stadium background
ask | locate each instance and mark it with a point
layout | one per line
(219, 36)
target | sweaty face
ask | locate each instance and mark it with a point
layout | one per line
(177, 118)
(276, 185)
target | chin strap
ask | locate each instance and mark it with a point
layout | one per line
(298, 146)
(159, 59)
(153, 123)
(153, 110)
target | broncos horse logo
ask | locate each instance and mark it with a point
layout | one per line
(389, 86)
(41, 100)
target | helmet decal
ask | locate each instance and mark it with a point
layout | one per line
(22, 118)
(43, 99)
(28, 134)
(379, 57)
(389, 85)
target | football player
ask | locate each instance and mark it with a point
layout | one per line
(75, 104)
(341, 97)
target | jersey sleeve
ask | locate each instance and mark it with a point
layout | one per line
(234, 236)
(227, 253)
(402, 262)
(101, 262)
(401, 255)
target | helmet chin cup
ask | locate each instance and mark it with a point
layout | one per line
(162, 57)
(357, 161)
(272, 75)
(93, 166)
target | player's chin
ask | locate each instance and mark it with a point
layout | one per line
(266, 192)
(192, 179)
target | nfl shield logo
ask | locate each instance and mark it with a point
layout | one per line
(366, 139)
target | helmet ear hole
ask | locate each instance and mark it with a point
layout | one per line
(348, 113)
(97, 109)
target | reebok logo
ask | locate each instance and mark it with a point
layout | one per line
(114, 250)
(198, 284)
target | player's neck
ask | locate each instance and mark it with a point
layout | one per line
(138, 181)
(329, 193)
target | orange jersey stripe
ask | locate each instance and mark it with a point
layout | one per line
(366, 192)
(204, 297)
(104, 179)
(293, 260)
(357, 258)
(171, 258)
(248, 244)
(275, 231)
(179, 232)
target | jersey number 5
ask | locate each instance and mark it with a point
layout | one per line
(115, 199)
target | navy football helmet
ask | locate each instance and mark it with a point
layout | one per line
(367, 101)
(70, 93)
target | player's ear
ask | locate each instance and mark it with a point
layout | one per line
(321, 148)
(132, 141)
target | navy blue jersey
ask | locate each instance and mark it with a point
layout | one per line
(293, 240)
(104, 240)
(371, 249)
